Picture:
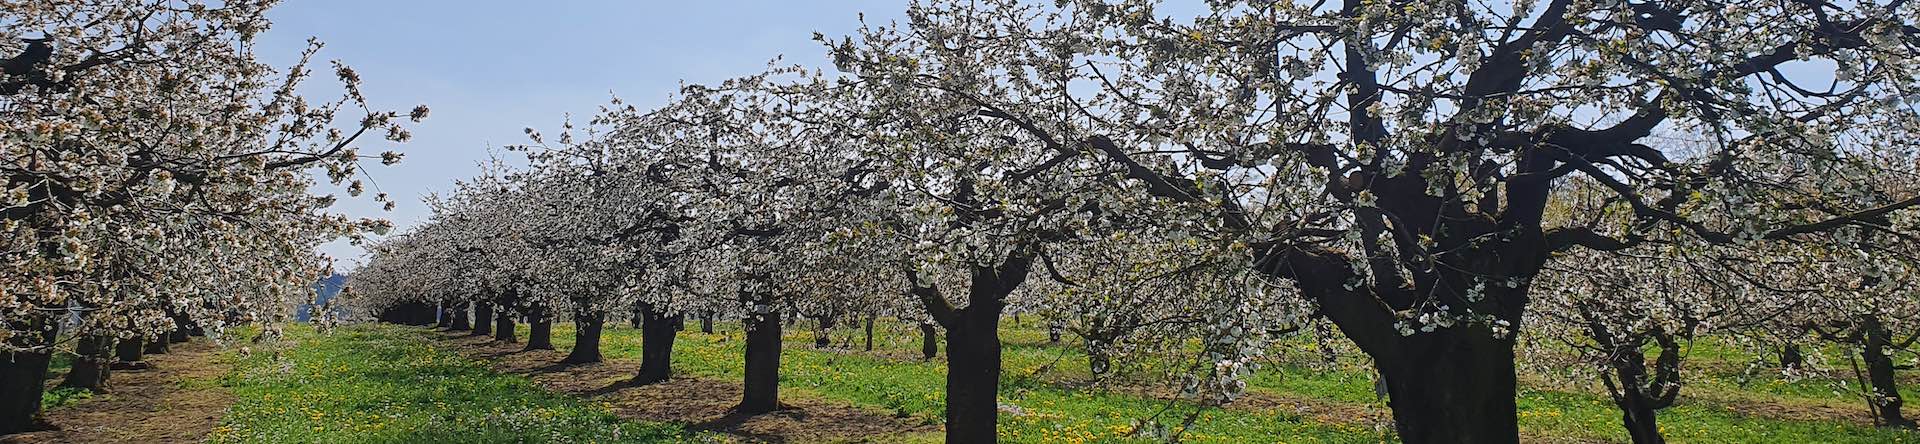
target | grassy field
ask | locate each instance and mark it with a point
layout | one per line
(383, 384)
(1288, 403)
(377, 384)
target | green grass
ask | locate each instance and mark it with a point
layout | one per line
(1044, 380)
(912, 388)
(382, 384)
(63, 396)
(393, 384)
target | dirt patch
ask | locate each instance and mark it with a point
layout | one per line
(176, 400)
(701, 404)
(1316, 410)
(1792, 411)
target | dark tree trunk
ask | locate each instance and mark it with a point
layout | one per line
(656, 345)
(503, 326)
(1638, 394)
(1637, 410)
(929, 341)
(762, 387)
(182, 327)
(1639, 418)
(1098, 360)
(482, 318)
(823, 332)
(973, 349)
(1450, 385)
(1453, 386)
(92, 366)
(460, 320)
(157, 346)
(129, 350)
(408, 313)
(973, 375)
(869, 333)
(586, 338)
(706, 322)
(1790, 357)
(539, 329)
(23, 378)
(129, 354)
(1885, 395)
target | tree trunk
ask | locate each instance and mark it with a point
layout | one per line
(1640, 422)
(482, 318)
(973, 370)
(1098, 360)
(973, 346)
(158, 345)
(503, 326)
(1639, 419)
(929, 341)
(92, 366)
(23, 378)
(129, 350)
(1452, 386)
(762, 388)
(823, 332)
(586, 338)
(460, 319)
(1638, 394)
(1790, 357)
(181, 326)
(706, 322)
(129, 354)
(1880, 375)
(869, 333)
(656, 345)
(539, 329)
(1627, 387)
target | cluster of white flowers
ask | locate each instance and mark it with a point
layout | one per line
(153, 171)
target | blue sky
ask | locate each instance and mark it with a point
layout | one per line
(490, 68)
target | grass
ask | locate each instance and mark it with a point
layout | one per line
(912, 388)
(1046, 382)
(380, 384)
(63, 396)
(376, 384)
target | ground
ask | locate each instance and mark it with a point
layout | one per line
(380, 384)
(178, 399)
(701, 403)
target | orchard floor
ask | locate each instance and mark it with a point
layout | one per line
(392, 384)
(698, 403)
(178, 399)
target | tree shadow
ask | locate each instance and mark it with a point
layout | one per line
(731, 424)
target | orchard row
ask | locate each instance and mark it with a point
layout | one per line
(1450, 185)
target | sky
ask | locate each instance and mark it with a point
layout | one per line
(489, 69)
